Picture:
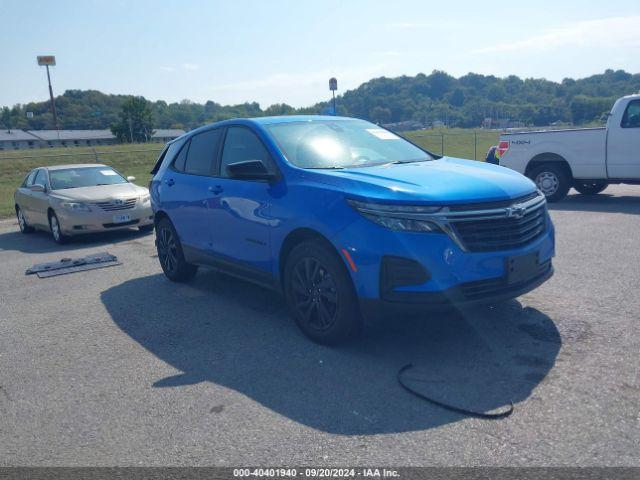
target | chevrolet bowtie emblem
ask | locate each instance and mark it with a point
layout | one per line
(517, 211)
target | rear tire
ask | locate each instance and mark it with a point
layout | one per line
(552, 179)
(22, 222)
(56, 230)
(170, 253)
(320, 294)
(590, 187)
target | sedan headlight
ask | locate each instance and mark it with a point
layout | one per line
(408, 218)
(146, 198)
(75, 206)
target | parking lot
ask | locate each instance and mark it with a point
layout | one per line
(119, 366)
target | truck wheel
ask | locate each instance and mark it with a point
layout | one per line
(552, 180)
(590, 187)
(320, 294)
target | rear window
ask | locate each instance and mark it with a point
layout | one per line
(202, 153)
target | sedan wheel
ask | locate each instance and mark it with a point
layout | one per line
(22, 222)
(56, 231)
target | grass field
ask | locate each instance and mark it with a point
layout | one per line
(138, 159)
(458, 142)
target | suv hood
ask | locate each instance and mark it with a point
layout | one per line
(444, 181)
(100, 192)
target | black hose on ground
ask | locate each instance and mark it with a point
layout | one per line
(451, 407)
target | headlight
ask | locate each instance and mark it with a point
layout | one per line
(75, 206)
(145, 198)
(408, 218)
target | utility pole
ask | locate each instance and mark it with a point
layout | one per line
(46, 61)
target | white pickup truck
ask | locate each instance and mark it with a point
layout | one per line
(587, 159)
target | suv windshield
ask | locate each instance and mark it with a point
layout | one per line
(84, 177)
(342, 144)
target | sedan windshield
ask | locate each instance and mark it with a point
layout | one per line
(342, 144)
(84, 177)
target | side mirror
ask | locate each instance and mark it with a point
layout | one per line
(131, 179)
(36, 187)
(250, 170)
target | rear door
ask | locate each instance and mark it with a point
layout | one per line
(23, 196)
(184, 191)
(241, 218)
(623, 144)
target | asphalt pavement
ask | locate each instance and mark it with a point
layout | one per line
(119, 366)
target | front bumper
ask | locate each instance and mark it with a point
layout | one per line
(461, 296)
(81, 222)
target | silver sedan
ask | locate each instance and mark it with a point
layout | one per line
(74, 199)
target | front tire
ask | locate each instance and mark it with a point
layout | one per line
(552, 180)
(56, 230)
(170, 253)
(22, 222)
(320, 294)
(146, 228)
(590, 187)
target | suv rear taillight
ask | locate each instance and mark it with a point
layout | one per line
(503, 146)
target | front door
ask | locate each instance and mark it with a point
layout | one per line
(241, 217)
(623, 144)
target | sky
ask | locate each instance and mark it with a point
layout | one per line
(284, 51)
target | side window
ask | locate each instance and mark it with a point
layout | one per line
(29, 180)
(202, 153)
(40, 178)
(181, 159)
(242, 144)
(631, 117)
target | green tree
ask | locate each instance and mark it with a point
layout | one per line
(6, 118)
(136, 121)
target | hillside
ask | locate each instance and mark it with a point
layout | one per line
(459, 102)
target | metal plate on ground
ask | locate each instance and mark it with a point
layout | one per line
(72, 265)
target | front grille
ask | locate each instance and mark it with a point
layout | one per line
(480, 232)
(117, 205)
(498, 286)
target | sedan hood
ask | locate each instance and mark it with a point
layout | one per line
(444, 181)
(100, 193)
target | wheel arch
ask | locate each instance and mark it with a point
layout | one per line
(548, 157)
(297, 236)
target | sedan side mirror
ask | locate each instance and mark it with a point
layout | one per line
(36, 187)
(131, 179)
(250, 170)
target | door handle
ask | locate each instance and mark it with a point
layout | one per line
(216, 190)
(171, 182)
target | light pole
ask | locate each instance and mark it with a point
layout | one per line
(46, 61)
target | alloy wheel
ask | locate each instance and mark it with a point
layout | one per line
(315, 294)
(55, 228)
(167, 249)
(21, 221)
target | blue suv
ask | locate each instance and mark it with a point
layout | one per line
(346, 219)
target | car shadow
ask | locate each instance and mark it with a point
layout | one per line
(602, 202)
(42, 242)
(222, 330)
